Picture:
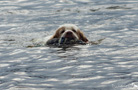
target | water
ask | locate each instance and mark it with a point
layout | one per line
(111, 65)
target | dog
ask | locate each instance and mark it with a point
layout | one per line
(68, 34)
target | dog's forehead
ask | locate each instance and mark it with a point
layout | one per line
(69, 26)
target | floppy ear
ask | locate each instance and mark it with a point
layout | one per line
(57, 33)
(81, 36)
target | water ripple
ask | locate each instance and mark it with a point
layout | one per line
(27, 64)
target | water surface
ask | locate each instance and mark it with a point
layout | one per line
(111, 65)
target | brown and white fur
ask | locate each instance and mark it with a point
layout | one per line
(69, 31)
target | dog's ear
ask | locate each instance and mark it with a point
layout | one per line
(82, 36)
(57, 33)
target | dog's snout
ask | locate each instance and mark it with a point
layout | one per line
(69, 34)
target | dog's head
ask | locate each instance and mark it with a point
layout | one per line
(70, 31)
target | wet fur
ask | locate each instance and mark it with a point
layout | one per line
(79, 33)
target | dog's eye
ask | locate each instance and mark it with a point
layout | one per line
(62, 31)
(74, 30)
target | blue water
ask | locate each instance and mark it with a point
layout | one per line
(110, 65)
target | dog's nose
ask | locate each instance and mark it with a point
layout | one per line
(69, 33)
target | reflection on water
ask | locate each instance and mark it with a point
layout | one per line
(110, 62)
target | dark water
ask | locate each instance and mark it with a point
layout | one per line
(111, 65)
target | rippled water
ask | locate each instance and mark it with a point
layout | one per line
(111, 65)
